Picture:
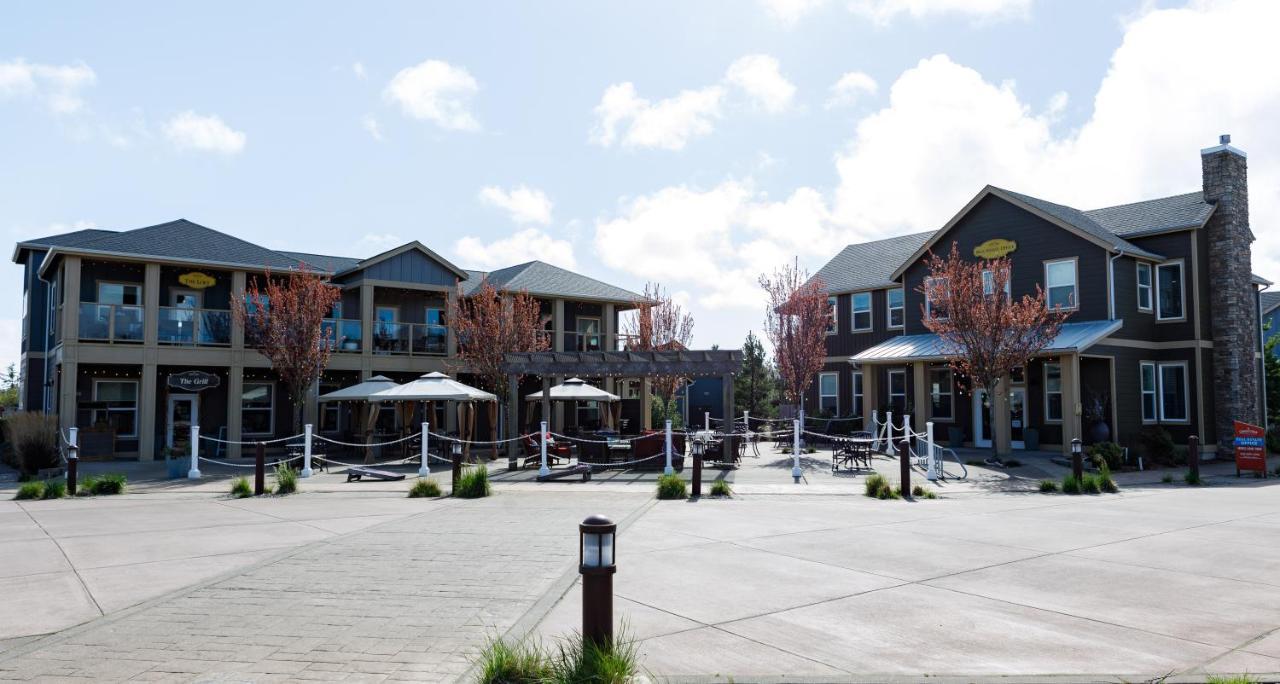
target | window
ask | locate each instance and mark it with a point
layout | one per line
(1147, 381)
(119, 293)
(833, 317)
(989, 283)
(898, 391)
(935, 309)
(1060, 281)
(1169, 291)
(862, 311)
(329, 410)
(857, 393)
(337, 310)
(1144, 286)
(118, 406)
(897, 307)
(940, 396)
(588, 334)
(1053, 392)
(257, 408)
(829, 393)
(1173, 392)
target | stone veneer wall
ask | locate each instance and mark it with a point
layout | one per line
(1232, 310)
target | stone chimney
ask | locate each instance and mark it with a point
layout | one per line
(1233, 313)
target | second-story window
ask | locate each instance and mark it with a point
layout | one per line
(1169, 292)
(1060, 284)
(935, 306)
(1144, 286)
(989, 283)
(588, 334)
(897, 307)
(833, 315)
(862, 311)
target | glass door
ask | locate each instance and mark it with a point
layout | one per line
(981, 419)
(1017, 417)
(184, 410)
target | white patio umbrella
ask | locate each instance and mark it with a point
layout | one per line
(437, 386)
(363, 391)
(577, 389)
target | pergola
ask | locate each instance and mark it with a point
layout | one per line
(689, 363)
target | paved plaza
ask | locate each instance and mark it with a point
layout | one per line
(802, 582)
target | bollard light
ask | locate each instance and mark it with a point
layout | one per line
(596, 563)
(1077, 459)
(698, 449)
(1077, 447)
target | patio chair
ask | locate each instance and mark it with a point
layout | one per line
(555, 452)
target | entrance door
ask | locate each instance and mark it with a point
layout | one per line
(184, 410)
(982, 430)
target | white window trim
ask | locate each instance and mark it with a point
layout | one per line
(836, 395)
(833, 312)
(903, 394)
(1155, 392)
(989, 283)
(1182, 290)
(950, 393)
(124, 283)
(854, 311)
(272, 421)
(888, 314)
(928, 306)
(1150, 286)
(1186, 394)
(1044, 371)
(137, 399)
(859, 405)
(1075, 286)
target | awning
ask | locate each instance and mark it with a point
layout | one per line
(1072, 337)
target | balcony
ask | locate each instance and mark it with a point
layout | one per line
(414, 339)
(584, 342)
(197, 327)
(111, 323)
(344, 334)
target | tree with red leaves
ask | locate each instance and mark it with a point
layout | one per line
(985, 332)
(489, 325)
(796, 323)
(283, 318)
(660, 324)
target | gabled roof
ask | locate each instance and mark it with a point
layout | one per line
(1270, 300)
(1159, 215)
(322, 262)
(1072, 337)
(544, 280)
(408, 246)
(869, 265)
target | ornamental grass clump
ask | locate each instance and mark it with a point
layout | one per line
(721, 488)
(424, 488)
(34, 437)
(30, 490)
(1048, 486)
(54, 489)
(286, 479)
(1192, 478)
(240, 488)
(502, 663)
(672, 487)
(105, 485)
(582, 661)
(876, 485)
(922, 492)
(1090, 484)
(1070, 485)
(473, 483)
(1105, 481)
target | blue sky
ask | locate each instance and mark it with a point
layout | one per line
(500, 132)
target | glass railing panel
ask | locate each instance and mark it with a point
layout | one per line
(430, 339)
(95, 321)
(391, 338)
(214, 327)
(177, 325)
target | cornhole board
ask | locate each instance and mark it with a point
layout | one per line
(580, 470)
(357, 472)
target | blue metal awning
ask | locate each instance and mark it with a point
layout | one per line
(1072, 337)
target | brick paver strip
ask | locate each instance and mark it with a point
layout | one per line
(410, 599)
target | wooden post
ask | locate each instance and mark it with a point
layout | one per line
(73, 461)
(904, 467)
(1193, 458)
(260, 470)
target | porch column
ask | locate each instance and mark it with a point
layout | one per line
(147, 407)
(646, 404)
(870, 396)
(546, 399)
(920, 390)
(451, 341)
(235, 390)
(1070, 401)
(70, 300)
(513, 421)
(150, 307)
(557, 325)
(238, 279)
(311, 404)
(727, 396)
(610, 332)
(366, 324)
(67, 386)
(1001, 426)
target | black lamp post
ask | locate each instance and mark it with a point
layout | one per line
(457, 463)
(596, 549)
(1077, 459)
(699, 450)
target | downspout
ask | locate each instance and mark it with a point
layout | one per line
(1111, 285)
(1262, 368)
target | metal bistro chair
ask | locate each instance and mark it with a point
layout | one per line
(855, 452)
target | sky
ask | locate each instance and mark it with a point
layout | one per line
(697, 145)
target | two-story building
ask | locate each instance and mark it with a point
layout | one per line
(1162, 332)
(129, 334)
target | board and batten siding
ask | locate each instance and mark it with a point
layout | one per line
(412, 267)
(846, 342)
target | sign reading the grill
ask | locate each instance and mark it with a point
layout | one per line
(193, 381)
(994, 249)
(197, 280)
(1251, 448)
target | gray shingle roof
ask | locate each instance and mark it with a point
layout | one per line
(323, 262)
(72, 239)
(1081, 221)
(869, 265)
(542, 279)
(1270, 300)
(1153, 216)
(186, 241)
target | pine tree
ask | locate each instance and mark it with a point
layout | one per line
(756, 385)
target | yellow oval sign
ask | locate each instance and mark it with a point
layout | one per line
(197, 280)
(994, 249)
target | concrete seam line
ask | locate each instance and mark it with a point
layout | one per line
(525, 624)
(51, 638)
(74, 570)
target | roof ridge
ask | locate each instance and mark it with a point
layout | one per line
(1145, 201)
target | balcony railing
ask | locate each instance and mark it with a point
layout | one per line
(200, 327)
(345, 335)
(584, 341)
(416, 339)
(111, 322)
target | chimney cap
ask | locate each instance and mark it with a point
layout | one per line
(1224, 139)
(1224, 145)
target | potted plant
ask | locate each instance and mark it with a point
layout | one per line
(1095, 416)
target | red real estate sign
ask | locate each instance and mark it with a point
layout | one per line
(1251, 448)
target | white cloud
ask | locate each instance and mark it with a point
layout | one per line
(357, 68)
(789, 12)
(370, 125)
(760, 77)
(885, 11)
(57, 86)
(851, 87)
(525, 205)
(435, 91)
(191, 131)
(525, 245)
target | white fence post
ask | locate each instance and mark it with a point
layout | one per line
(795, 448)
(543, 470)
(706, 421)
(746, 421)
(194, 473)
(906, 426)
(932, 472)
(424, 469)
(306, 451)
(888, 419)
(668, 469)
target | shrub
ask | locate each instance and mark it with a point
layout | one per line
(1109, 454)
(286, 479)
(105, 485)
(1090, 484)
(240, 488)
(1156, 444)
(503, 663)
(54, 489)
(875, 485)
(672, 487)
(85, 485)
(1070, 485)
(923, 492)
(1192, 478)
(582, 661)
(721, 488)
(473, 483)
(35, 441)
(30, 490)
(1105, 483)
(424, 488)
(1048, 486)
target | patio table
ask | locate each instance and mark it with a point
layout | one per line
(850, 452)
